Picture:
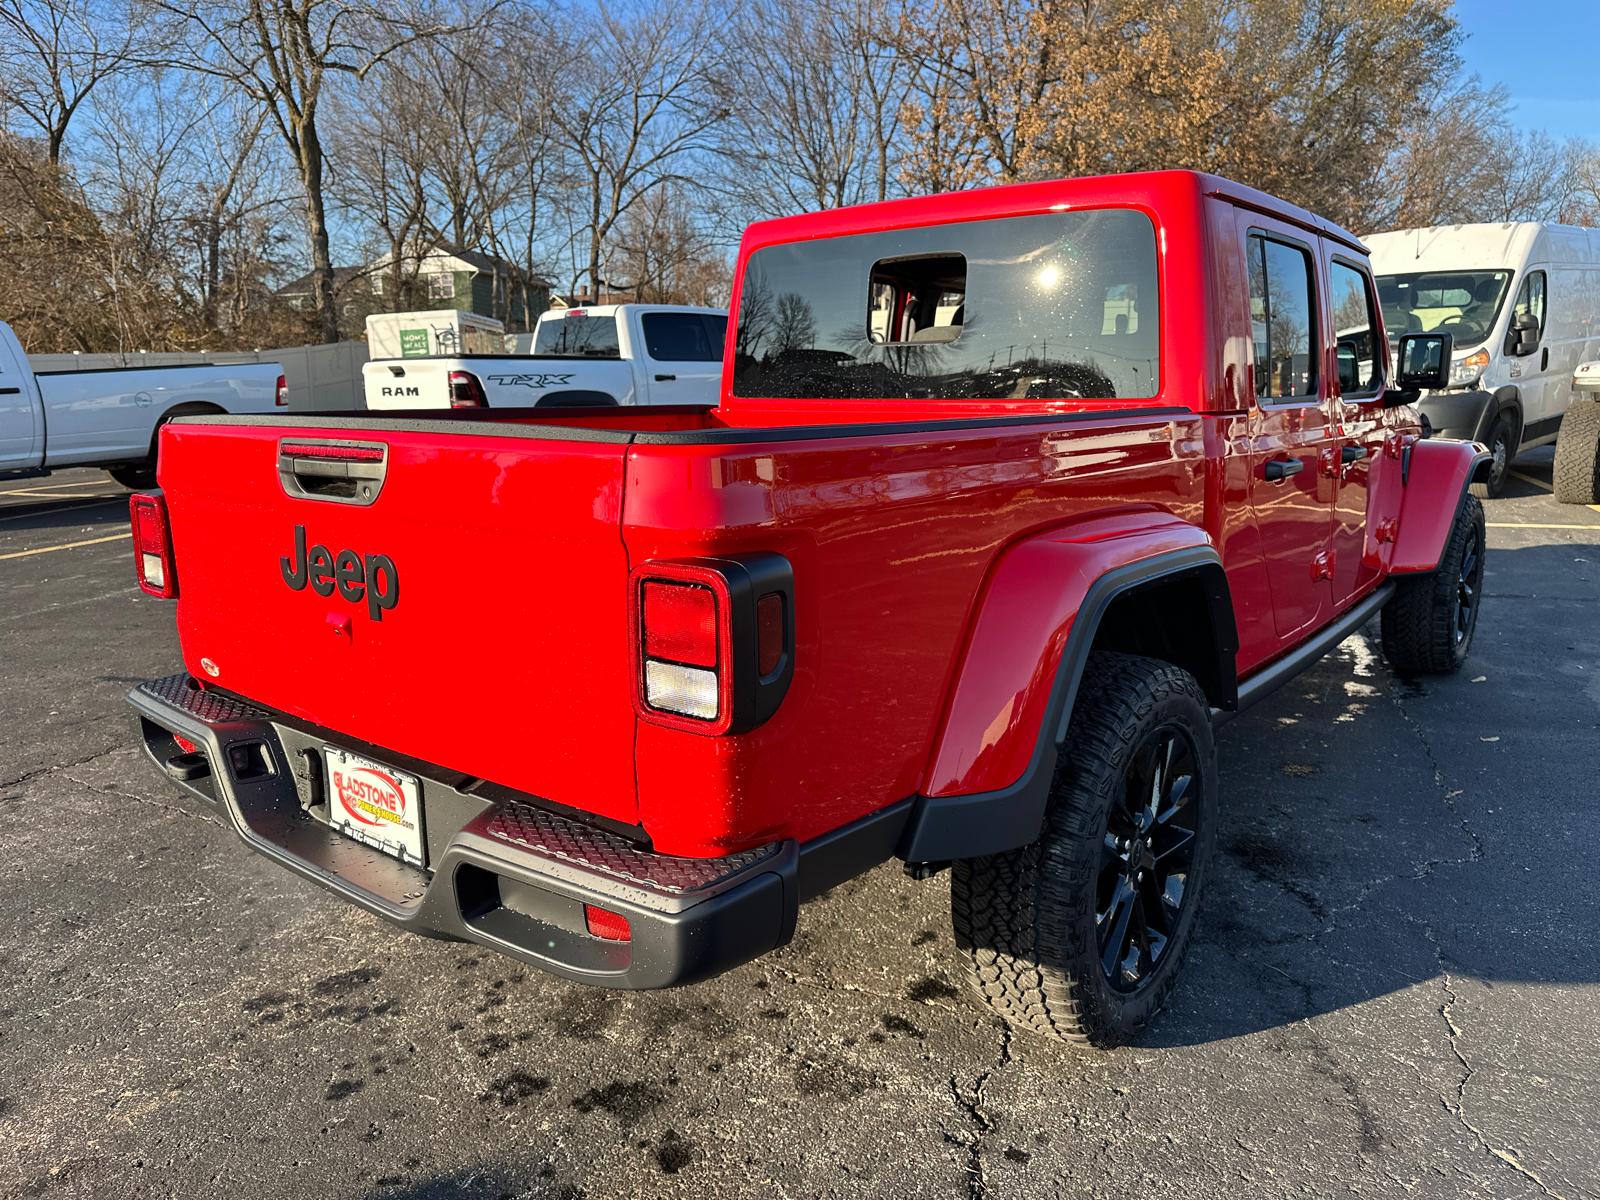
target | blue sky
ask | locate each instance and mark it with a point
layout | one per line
(1546, 53)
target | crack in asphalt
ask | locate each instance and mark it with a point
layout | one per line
(977, 1176)
(1478, 847)
(1458, 1109)
(26, 776)
(172, 809)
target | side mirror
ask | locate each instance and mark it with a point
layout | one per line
(1424, 360)
(1524, 334)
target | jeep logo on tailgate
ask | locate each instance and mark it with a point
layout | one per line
(355, 575)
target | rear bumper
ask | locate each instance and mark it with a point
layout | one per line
(503, 870)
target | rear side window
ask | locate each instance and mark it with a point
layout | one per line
(1282, 324)
(1055, 306)
(684, 337)
(579, 334)
(1355, 331)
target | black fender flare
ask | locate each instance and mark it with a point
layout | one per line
(942, 828)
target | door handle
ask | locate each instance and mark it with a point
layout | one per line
(1279, 469)
(1352, 454)
(10, 391)
(665, 378)
(1544, 359)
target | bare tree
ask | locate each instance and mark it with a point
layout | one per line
(820, 91)
(54, 53)
(280, 53)
(642, 99)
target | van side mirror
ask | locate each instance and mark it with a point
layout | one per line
(1524, 334)
(1424, 362)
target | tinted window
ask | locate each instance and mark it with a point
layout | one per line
(1055, 306)
(1355, 331)
(1463, 304)
(684, 337)
(1281, 323)
(581, 334)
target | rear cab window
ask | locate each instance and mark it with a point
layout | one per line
(1055, 306)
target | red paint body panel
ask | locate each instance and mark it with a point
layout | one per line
(1440, 472)
(1025, 615)
(510, 617)
(938, 568)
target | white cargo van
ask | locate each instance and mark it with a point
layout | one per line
(1521, 299)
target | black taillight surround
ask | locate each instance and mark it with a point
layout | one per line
(740, 581)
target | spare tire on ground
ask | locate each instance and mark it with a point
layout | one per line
(1577, 465)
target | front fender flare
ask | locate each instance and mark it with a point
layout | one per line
(994, 760)
(1435, 476)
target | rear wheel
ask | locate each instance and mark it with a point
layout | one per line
(1577, 465)
(1502, 442)
(1429, 622)
(1081, 934)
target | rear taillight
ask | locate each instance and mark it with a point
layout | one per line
(606, 924)
(466, 391)
(282, 400)
(713, 641)
(152, 544)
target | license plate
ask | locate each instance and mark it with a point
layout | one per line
(375, 804)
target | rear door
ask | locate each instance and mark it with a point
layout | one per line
(470, 611)
(683, 355)
(1294, 442)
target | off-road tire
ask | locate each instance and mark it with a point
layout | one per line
(1421, 624)
(140, 477)
(1577, 466)
(1026, 919)
(1502, 442)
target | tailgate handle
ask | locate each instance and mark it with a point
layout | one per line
(346, 472)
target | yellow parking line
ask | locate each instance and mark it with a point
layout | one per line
(1530, 479)
(1596, 507)
(1519, 525)
(54, 487)
(73, 545)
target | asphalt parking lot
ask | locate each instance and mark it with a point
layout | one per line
(1393, 992)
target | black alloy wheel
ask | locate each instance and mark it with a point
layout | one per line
(1080, 935)
(1146, 859)
(1469, 583)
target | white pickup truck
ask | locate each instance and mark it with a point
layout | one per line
(109, 418)
(607, 354)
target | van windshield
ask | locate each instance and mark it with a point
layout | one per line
(1461, 303)
(578, 334)
(1058, 306)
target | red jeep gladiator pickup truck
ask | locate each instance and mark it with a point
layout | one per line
(1011, 496)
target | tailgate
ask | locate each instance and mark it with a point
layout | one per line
(503, 651)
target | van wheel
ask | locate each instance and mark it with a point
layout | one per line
(1502, 442)
(1577, 465)
(1428, 623)
(140, 477)
(1080, 935)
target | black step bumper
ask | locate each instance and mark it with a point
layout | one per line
(504, 870)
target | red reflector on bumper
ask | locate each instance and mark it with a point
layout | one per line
(185, 744)
(609, 925)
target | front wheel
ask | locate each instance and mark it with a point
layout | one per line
(1080, 935)
(1502, 441)
(1429, 622)
(140, 477)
